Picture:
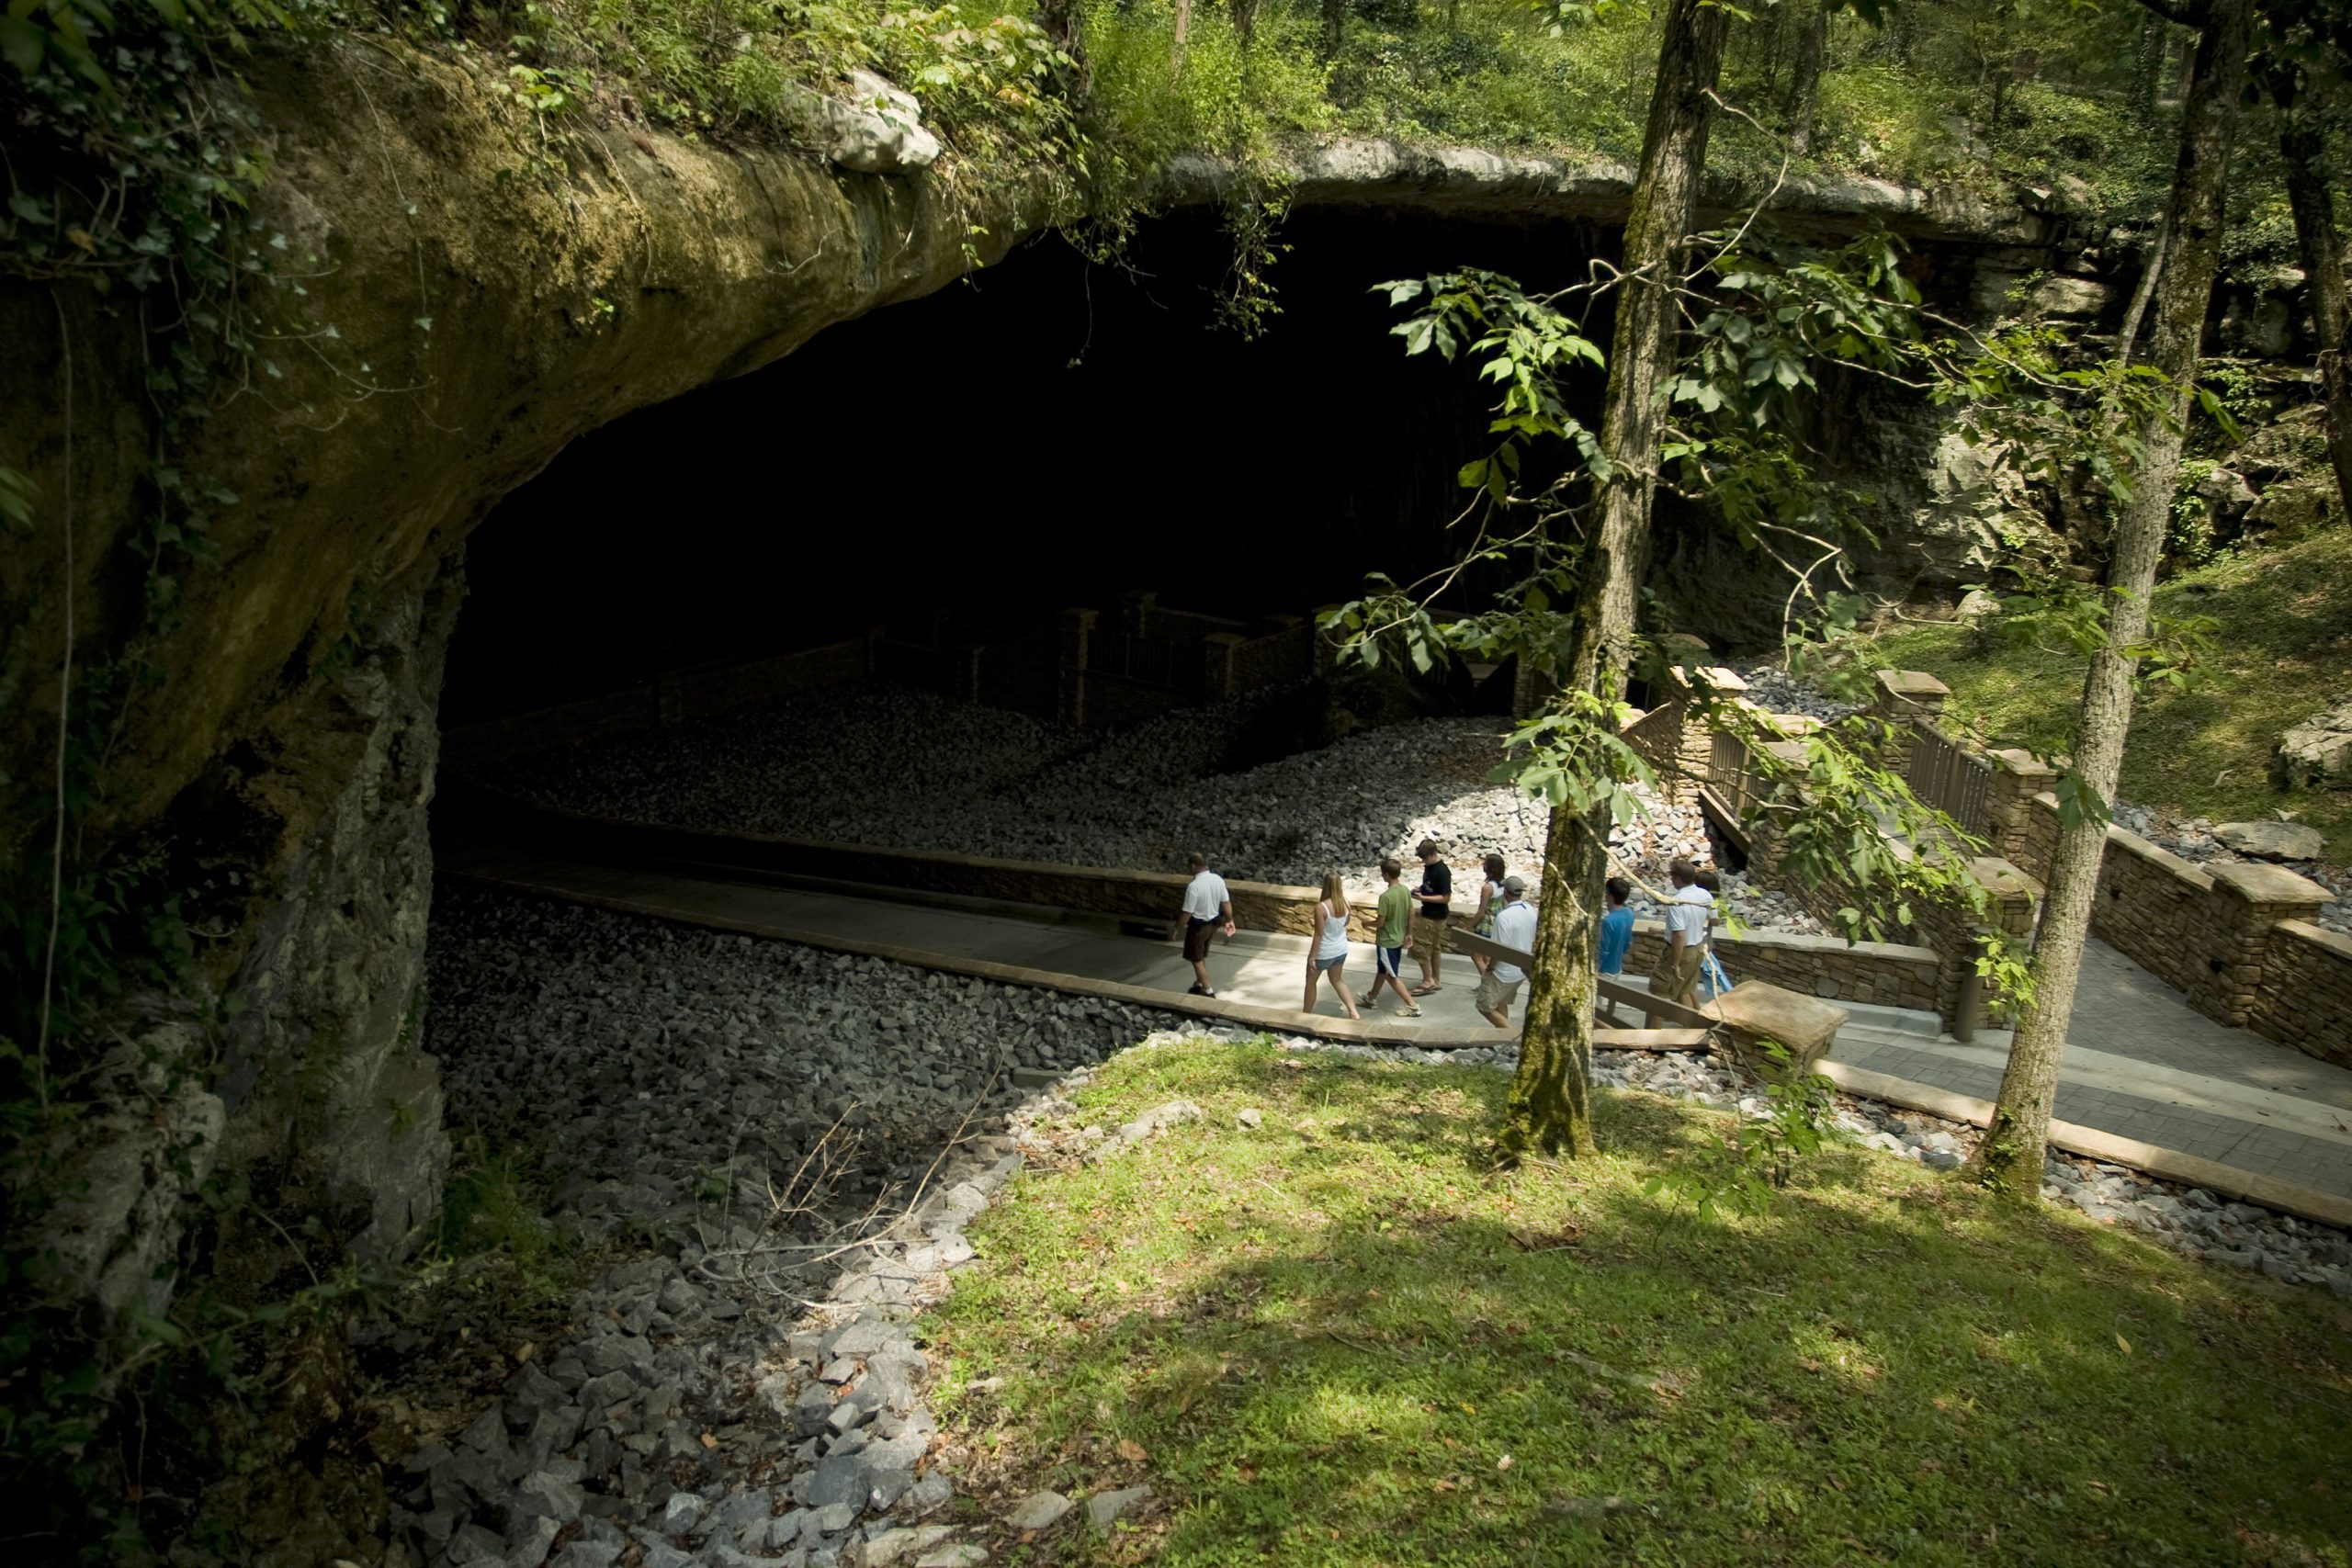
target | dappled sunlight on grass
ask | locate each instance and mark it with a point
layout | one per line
(2281, 654)
(1339, 1343)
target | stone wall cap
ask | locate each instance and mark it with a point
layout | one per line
(2335, 942)
(2024, 764)
(1911, 684)
(2259, 884)
(1768, 1011)
(2002, 878)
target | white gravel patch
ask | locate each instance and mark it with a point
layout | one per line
(882, 764)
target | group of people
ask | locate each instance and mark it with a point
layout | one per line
(1418, 917)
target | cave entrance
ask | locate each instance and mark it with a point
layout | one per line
(1049, 434)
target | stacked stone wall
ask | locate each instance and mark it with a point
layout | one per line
(1885, 973)
(2306, 996)
(2234, 939)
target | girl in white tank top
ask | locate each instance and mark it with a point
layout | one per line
(1330, 954)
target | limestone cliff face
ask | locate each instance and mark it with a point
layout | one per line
(487, 304)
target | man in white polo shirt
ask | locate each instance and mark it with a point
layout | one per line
(1207, 903)
(1676, 979)
(1514, 926)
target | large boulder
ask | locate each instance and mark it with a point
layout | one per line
(2316, 753)
(875, 129)
(2272, 840)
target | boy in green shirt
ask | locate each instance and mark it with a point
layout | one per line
(1388, 944)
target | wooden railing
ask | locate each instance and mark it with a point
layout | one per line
(1656, 736)
(1950, 777)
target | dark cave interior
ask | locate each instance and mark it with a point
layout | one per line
(1049, 434)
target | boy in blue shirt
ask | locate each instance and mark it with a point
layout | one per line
(1616, 928)
(1616, 934)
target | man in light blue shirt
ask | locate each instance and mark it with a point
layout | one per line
(1515, 927)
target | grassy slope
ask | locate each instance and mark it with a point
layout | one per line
(2284, 652)
(1317, 1342)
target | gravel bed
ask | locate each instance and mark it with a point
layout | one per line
(912, 770)
(764, 1131)
(1776, 691)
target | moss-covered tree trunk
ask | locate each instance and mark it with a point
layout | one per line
(1805, 75)
(1550, 1107)
(2301, 146)
(2011, 1160)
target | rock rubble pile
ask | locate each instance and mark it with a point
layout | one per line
(743, 1119)
(910, 769)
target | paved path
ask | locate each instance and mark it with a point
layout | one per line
(1256, 970)
(2141, 1065)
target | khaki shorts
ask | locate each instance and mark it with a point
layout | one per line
(1429, 938)
(1677, 981)
(1495, 996)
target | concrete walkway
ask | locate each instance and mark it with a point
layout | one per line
(2139, 1066)
(2139, 1063)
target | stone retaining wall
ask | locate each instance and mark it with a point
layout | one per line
(2306, 996)
(1883, 973)
(2231, 937)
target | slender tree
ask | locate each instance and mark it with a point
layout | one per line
(2302, 147)
(1805, 75)
(1549, 1107)
(1335, 16)
(2011, 1159)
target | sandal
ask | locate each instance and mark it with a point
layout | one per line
(1426, 990)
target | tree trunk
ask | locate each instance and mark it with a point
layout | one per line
(1805, 76)
(2014, 1148)
(1184, 31)
(2148, 53)
(2145, 290)
(1549, 1107)
(1058, 18)
(2301, 146)
(1335, 15)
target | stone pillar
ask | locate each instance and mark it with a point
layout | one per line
(2247, 901)
(2018, 777)
(1134, 610)
(1906, 697)
(1069, 691)
(1220, 676)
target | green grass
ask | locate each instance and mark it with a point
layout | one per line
(2283, 652)
(1319, 1342)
